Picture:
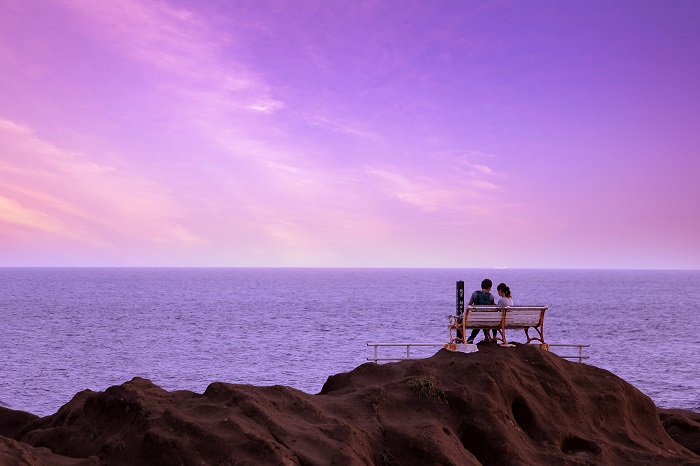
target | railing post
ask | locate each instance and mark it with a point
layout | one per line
(408, 351)
(376, 347)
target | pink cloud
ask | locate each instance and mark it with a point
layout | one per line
(52, 191)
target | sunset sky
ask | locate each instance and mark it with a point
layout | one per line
(533, 134)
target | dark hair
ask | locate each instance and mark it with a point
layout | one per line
(486, 284)
(504, 288)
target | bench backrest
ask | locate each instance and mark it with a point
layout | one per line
(484, 316)
(515, 316)
(525, 316)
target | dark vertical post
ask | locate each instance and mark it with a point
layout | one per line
(460, 297)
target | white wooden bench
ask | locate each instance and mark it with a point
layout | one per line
(500, 319)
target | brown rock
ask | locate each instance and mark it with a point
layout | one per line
(499, 406)
(683, 427)
(13, 453)
(11, 421)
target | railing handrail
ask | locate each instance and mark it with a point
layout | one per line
(376, 357)
(405, 344)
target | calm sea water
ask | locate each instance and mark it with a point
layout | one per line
(65, 330)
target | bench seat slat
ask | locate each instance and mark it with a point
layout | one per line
(484, 318)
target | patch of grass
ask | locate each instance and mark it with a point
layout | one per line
(428, 387)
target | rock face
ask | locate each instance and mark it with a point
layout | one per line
(683, 427)
(499, 406)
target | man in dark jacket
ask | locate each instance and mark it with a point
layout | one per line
(481, 298)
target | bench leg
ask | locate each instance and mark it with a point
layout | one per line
(458, 330)
(539, 337)
(458, 326)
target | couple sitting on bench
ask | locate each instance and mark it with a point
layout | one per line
(483, 313)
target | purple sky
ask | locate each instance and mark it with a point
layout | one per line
(357, 133)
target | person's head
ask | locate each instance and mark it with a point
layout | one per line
(503, 290)
(486, 285)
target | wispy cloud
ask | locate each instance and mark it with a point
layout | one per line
(183, 47)
(14, 213)
(59, 192)
(266, 106)
(343, 127)
(453, 183)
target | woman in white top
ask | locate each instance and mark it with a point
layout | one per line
(505, 297)
(505, 300)
(504, 292)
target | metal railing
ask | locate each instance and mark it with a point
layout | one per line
(408, 346)
(580, 356)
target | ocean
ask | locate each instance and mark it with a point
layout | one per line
(65, 330)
